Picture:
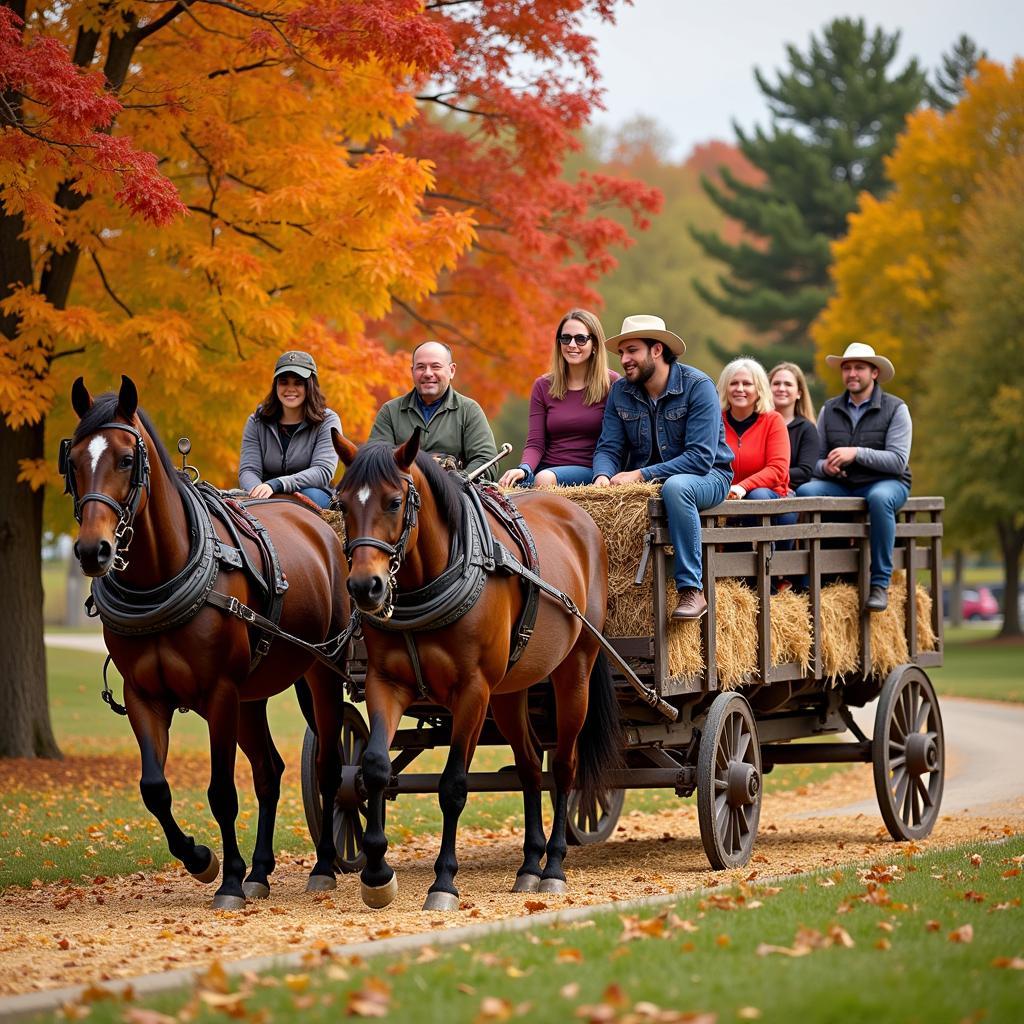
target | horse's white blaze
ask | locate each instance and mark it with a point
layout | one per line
(363, 494)
(97, 446)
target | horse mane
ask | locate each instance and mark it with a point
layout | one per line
(375, 463)
(104, 409)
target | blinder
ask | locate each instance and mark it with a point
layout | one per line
(138, 481)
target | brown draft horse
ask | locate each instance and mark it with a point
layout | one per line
(204, 665)
(465, 665)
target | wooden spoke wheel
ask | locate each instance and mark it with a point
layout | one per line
(593, 820)
(729, 782)
(349, 806)
(908, 752)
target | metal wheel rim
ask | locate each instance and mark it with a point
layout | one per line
(349, 821)
(735, 825)
(913, 711)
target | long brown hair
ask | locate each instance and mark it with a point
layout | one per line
(597, 383)
(804, 404)
(314, 409)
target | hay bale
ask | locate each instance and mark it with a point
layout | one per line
(840, 628)
(335, 520)
(736, 607)
(791, 629)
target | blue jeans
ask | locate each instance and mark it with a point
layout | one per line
(685, 496)
(885, 498)
(565, 476)
(316, 494)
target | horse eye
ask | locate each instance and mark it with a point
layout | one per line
(126, 462)
(395, 505)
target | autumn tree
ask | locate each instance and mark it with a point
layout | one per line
(354, 174)
(903, 279)
(835, 114)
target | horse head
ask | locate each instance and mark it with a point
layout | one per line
(380, 502)
(106, 472)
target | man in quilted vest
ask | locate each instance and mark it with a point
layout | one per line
(864, 452)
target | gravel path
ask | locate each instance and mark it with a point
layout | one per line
(58, 935)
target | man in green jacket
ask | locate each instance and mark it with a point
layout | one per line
(450, 423)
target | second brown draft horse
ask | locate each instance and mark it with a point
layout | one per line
(123, 497)
(465, 665)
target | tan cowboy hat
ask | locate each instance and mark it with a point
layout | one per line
(650, 328)
(862, 353)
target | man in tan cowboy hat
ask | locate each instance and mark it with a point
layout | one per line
(663, 424)
(865, 436)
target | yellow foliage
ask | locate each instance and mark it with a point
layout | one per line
(891, 271)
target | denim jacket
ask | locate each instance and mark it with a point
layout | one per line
(690, 430)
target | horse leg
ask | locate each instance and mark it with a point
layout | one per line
(267, 768)
(510, 715)
(470, 707)
(385, 704)
(322, 690)
(151, 724)
(569, 682)
(222, 715)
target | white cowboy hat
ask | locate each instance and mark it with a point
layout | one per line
(862, 353)
(650, 328)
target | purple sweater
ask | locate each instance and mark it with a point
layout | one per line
(563, 432)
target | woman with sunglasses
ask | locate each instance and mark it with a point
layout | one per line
(566, 408)
(286, 444)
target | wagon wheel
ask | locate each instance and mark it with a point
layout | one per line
(593, 820)
(729, 782)
(909, 754)
(349, 807)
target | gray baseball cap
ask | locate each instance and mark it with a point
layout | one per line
(300, 363)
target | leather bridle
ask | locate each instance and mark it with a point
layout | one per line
(126, 510)
(396, 551)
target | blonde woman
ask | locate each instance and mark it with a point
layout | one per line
(793, 403)
(566, 407)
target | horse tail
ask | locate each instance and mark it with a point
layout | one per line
(599, 746)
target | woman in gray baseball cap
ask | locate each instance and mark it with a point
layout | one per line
(286, 444)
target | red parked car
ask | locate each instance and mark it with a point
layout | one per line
(980, 604)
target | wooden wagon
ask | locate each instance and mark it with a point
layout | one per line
(687, 732)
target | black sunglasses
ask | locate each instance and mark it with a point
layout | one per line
(580, 339)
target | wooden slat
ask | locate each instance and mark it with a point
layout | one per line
(936, 568)
(864, 579)
(661, 613)
(814, 573)
(707, 625)
(764, 629)
(910, 616)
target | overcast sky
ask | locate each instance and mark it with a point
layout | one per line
(689, 63)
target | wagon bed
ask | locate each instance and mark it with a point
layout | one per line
(716, 741)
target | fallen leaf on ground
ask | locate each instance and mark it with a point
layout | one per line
(965, 934)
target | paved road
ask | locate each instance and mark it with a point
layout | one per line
(983, 744)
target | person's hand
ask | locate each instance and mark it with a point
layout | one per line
(839, 457)
(602, 481)
(736, 492)
(631, 476)
(262, 491)
(511, 477)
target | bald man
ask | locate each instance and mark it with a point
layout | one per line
(450, 423)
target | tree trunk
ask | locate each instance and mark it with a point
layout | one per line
(1011, 539)
(25, 729)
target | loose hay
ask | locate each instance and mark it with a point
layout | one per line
(791, 629)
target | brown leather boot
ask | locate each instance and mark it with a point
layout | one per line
(692, 604)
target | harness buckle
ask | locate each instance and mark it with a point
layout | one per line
(120, 563)
(263, 646)
(235, 607)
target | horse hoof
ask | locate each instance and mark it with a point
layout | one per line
(210, 872)
(378, 896)
(527, 883)
(225, 902)
(255, 890)
(441, 901)
(322, 883)
(552, 885)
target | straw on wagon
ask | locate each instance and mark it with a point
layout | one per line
(621, 514)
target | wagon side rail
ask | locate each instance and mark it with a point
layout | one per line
(815, 554)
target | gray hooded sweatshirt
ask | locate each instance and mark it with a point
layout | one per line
(310, 460)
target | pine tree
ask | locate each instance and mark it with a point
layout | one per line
(957, 66)
(835, 114)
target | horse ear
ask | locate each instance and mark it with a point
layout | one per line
(343, 446)
(405, 454)
(81, 400)
(127, 398)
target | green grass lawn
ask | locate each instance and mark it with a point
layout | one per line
(975, 666)
(935, 937)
